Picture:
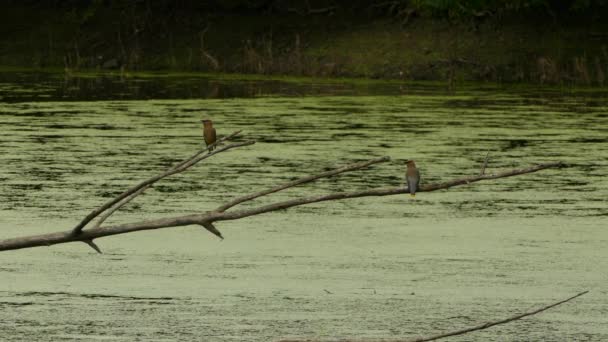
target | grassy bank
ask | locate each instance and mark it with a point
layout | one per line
(518, 49)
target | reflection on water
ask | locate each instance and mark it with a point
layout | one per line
(375, 267)
(19, 87)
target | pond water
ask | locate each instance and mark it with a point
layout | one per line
(384, 267)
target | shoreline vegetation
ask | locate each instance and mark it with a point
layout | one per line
(453, 42)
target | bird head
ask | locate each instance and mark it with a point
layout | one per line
(206, 122)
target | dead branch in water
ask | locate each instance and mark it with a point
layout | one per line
(141, 187)
(300, 181)
(452, 333)
(379, 192)
(206, 219)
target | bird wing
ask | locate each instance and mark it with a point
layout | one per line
(412, 178)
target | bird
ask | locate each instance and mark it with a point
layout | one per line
(412, 177)
(209, 133)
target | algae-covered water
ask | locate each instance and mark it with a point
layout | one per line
(382, 267)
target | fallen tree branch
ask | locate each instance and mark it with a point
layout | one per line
(493, 323)
(303, 180)
(134, 191)
(452, 333)
(119, 205)
(206, 218)
(381, 192)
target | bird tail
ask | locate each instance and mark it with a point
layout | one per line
(412, 187)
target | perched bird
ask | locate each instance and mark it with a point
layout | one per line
(412, 177)
(209, 133)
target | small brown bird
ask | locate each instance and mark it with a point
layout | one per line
(209, 133)
(412, 177)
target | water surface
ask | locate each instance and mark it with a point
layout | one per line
(370, 267)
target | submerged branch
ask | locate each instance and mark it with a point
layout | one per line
(493, 323)
(452, 333)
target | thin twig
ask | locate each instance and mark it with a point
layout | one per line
(485, 164)
(452, 333)
(119, 205)
(493, 323)
(302, 180)
(182, 166)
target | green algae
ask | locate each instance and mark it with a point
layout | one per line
(373, 267)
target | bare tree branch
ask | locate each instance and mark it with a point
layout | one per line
(472, 179)
(119, 205)
(213, 216)
(91, 234)
(493, 323)
(302, 180)
(452, 333)
(182, 166)
(380, 192)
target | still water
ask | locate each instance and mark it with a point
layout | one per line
(383, 267)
